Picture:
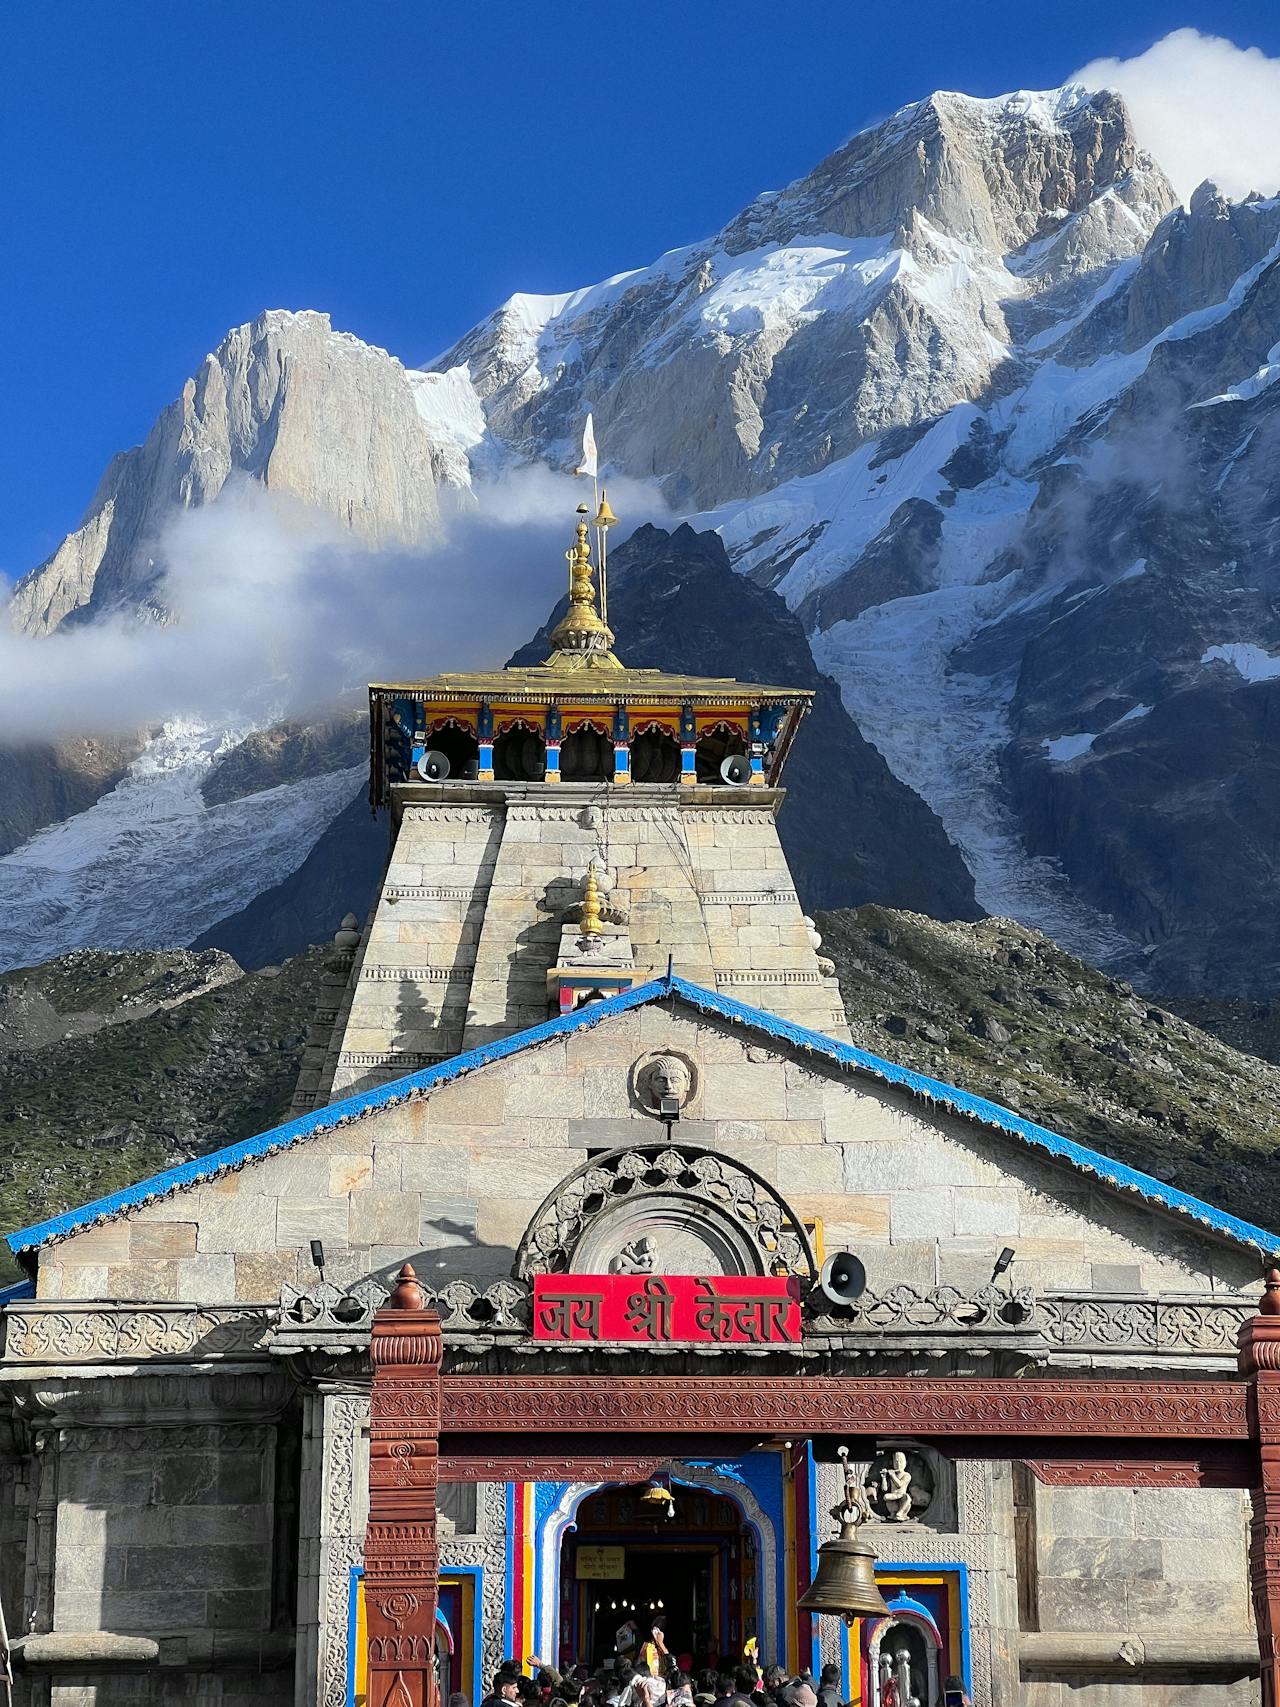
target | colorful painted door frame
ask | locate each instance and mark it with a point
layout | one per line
(1223, 1433)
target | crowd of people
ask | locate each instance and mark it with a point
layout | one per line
(645, 1674)
(639, 1682)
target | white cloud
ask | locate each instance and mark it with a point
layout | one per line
(1203, 107)
(275, 610)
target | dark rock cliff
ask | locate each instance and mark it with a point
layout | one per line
(851, 831)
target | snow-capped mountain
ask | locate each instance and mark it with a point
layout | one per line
(991, 413)
(288, 401)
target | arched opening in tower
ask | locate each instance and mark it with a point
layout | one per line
(715, 747)
(519, 755)
(458, 745)
(586, 755)
(655, 756)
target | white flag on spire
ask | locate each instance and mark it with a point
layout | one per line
(590, 463)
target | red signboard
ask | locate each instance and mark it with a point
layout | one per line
(662, 1309)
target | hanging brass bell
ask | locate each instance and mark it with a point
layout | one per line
(657, 1499)
(845, 1583)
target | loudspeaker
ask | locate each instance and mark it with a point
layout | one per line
(433, 766)
(843, 1279)
(736, 768)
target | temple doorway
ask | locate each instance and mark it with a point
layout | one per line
(698, 1568)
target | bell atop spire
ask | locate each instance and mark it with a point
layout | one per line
(582, 636)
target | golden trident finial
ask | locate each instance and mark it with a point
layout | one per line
(581, 629)
(592, 923)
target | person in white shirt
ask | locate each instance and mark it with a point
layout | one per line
(646, 1689)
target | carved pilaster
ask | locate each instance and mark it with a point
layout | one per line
(1260, 1361)
(401, 1561)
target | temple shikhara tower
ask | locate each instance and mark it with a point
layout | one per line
(575, 765)
(597, 1276)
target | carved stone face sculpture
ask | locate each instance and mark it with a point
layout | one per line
(666, 1077)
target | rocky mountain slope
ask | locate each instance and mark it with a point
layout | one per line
(115, 1065)
(990, 414)
(1001, 1010)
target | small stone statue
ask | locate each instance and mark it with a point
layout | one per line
(636, 1258)
(894, 1491)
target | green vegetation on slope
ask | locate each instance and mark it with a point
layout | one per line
(82, 1115)
(115, 1065)
(998, 1009)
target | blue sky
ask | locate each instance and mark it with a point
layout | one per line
(174, 168)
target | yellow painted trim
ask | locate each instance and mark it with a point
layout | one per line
(528, 1490)
(789, 1565)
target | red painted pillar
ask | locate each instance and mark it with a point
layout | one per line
(1259, 1343)
(401, 1561)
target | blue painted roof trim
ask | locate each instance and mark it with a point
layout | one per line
(848, 1055)
(15, 1294)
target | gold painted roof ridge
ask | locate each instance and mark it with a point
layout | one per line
(617, 682)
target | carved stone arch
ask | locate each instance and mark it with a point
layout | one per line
(563, 1516)
(908, 1615)
(710, 1210)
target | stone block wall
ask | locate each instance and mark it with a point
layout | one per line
(451, 1180)
(164, 1531)
(1143, 1559)
(1156, 1579)
(1094, 1689)
(468, 920)
(160, 1562)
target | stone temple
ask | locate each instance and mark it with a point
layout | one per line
(697, 1272)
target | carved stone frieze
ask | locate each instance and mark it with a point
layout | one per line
(1087, 1321)
(57, 1332)
(346, 1419)
(751, 898)
(172, 1437)
(451, 814)
(1117, 1473)
(414, 974)
(426, 892)
(827, 1404)
(750, 975)
(389, 1058)
(941, 1309)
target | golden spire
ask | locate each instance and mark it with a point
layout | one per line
(581, 630)
(591, 920)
